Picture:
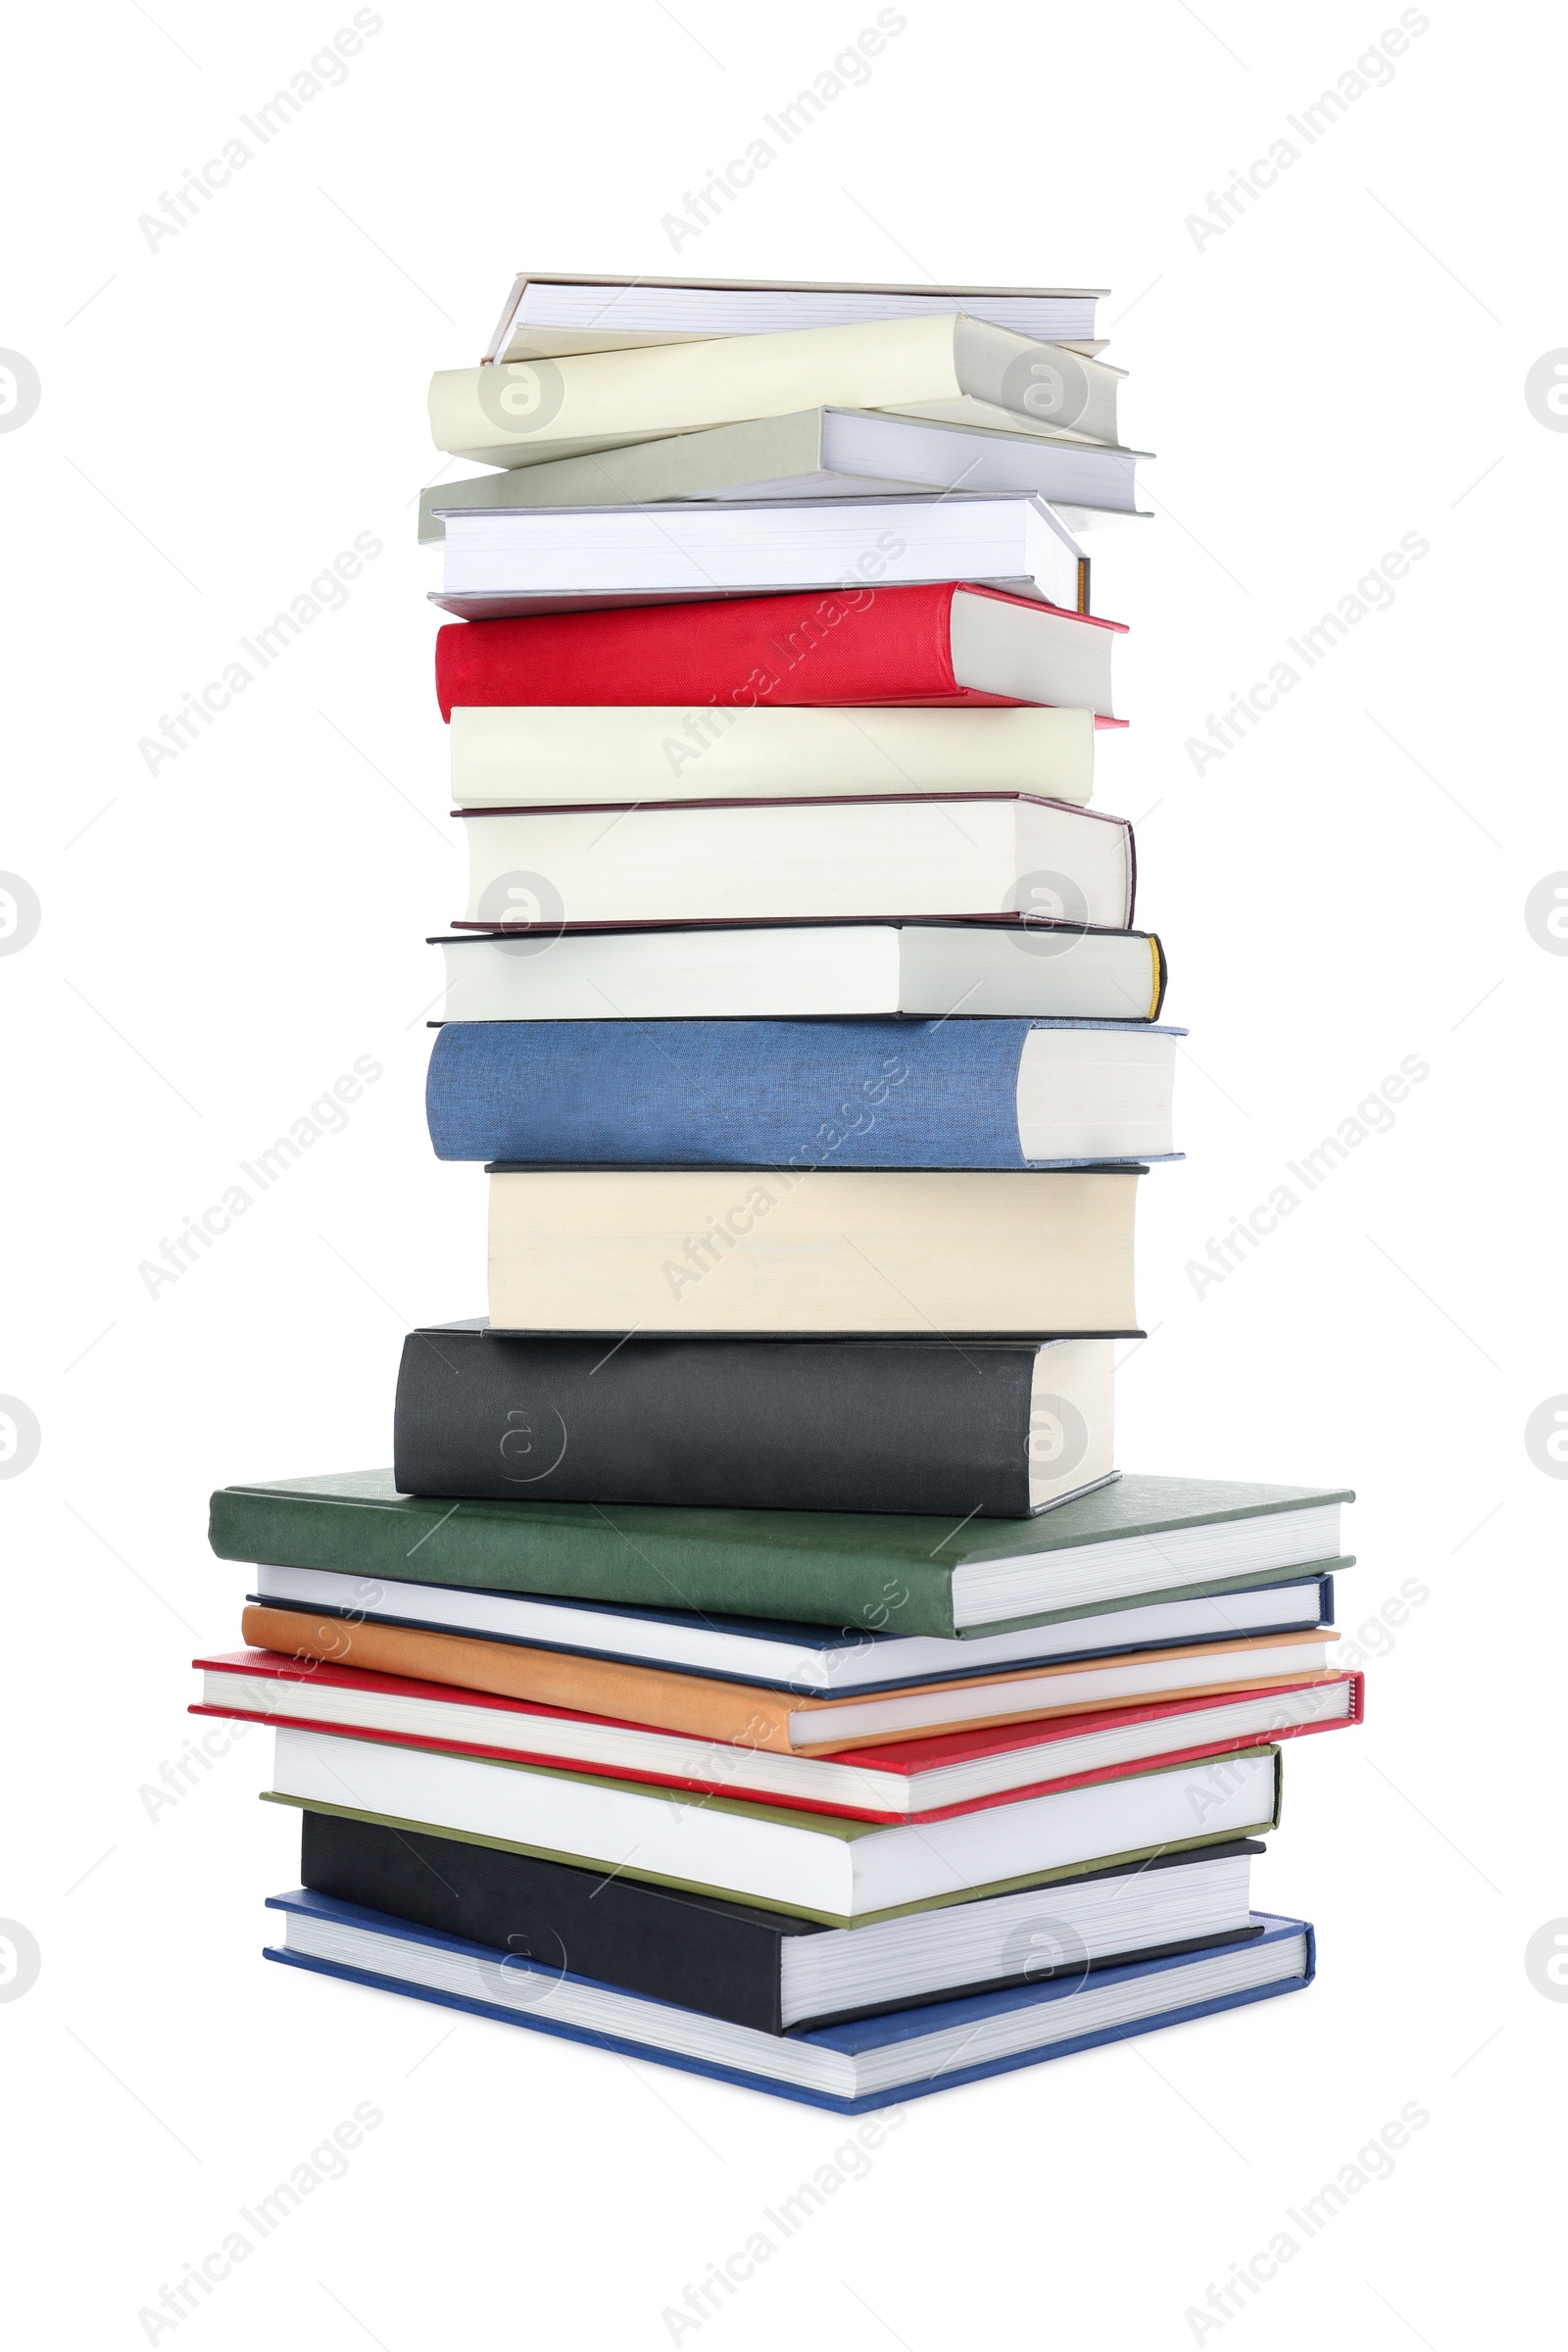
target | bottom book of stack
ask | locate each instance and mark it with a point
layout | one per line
(850, 2067)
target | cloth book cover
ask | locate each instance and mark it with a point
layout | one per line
(924, 2049)
(895, 1094)
(918, 1774)
(821, 1567)
(698, 1951)
(849, 646)
(844, 1425)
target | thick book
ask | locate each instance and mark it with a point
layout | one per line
(815, 453)
(615, 753)
(848, 2069)
(503, 561)
(1142, 1536)
(810, 1661)
(764, 1969)
(734, 1716)
(949, 643)
(955, 973)
(972, 1094)
(1005, 856)
(554, 315)
(932, 1778)
(816, 1252)
(784, 1858)
(957, 369)
(998, 1431)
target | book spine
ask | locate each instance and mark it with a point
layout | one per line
(545, 1920)
(746, 1424)
(842, 646)
(725, 1094)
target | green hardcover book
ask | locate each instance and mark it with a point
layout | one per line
(1140, 1540)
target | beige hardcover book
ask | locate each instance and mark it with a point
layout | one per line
(828, 1250)
(949, 367)
(617, 753)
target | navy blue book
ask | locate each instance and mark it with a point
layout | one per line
(835, 1093)
(848, 2067)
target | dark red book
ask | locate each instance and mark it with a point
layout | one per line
(907, 1779)
(943, 644)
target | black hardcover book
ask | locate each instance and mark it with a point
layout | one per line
(999, 1429)
(766, 1969)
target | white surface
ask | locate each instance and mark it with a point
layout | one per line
(252, 395)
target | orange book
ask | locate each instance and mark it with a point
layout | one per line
(749, 1715)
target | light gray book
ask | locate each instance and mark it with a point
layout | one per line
(812, 453)
(555, 316)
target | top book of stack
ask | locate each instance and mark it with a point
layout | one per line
(552, 316)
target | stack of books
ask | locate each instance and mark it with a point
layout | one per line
(754, 1658)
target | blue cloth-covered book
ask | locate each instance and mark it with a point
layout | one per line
(867, 2062)
(839, 1093)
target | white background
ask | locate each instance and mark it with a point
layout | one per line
(220, 417)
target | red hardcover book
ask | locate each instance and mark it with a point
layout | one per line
(943, 644)
(910, 1780)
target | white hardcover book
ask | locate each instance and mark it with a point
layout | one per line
(502, 562)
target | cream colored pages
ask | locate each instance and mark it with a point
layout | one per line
(520, 413)
(830, 1251)
(619, 753)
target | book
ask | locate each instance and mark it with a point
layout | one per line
(997, 1431)
(947, 643)
(810, 1661)
(820, 1864)
(714, 971)
(1003, 855)
(612, 754)
(770, 1970)
(969, 1094)
(848, 2069)
(814, 453)
(726, 1715)
(519, 561)
(550, 315)
(934, 1777)
(943, 366)
(819, 1251)
(1143, 1538)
